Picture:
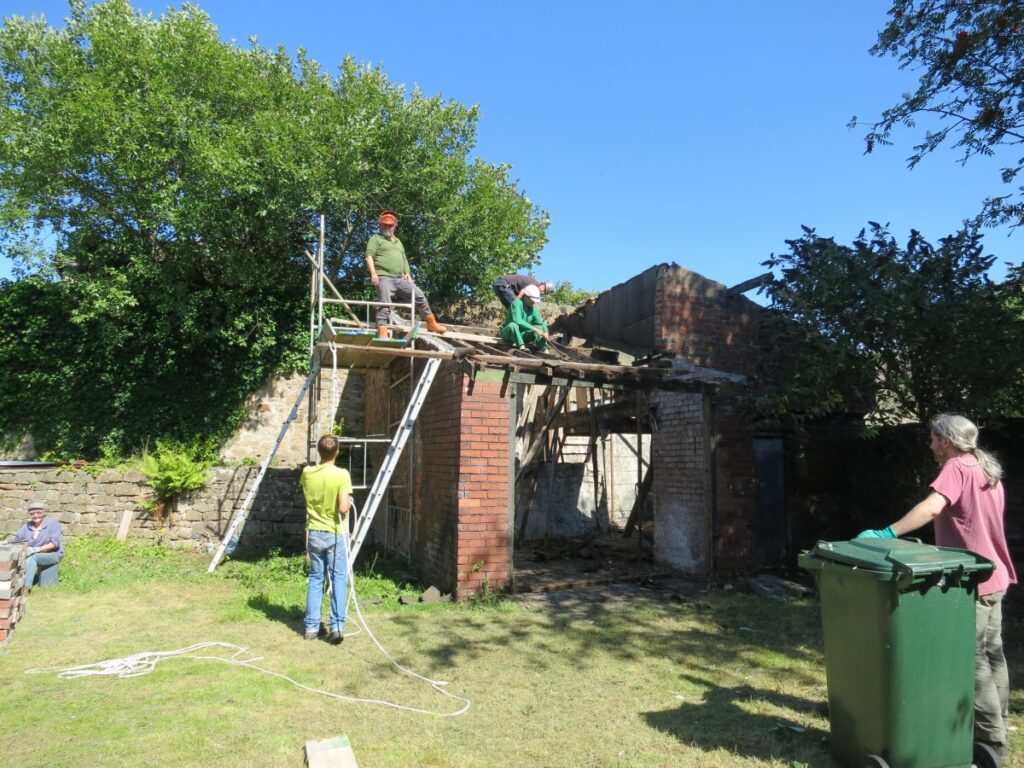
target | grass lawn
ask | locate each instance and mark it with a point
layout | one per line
(715, 680)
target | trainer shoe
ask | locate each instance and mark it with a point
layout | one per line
(311, 634)
(336, 637)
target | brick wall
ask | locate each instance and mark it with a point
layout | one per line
(681, 488)
(458, 536)
(436, 510)
(696, 321)
(484, 556)
(735, 540)
(705, 489)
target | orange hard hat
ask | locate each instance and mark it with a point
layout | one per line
(388, 219)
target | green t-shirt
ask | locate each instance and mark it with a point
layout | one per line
(388, 256)
(322, 484)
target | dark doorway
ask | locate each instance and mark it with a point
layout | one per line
(772, 528)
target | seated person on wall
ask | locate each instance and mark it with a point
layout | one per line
(42, 534)
(524, 327)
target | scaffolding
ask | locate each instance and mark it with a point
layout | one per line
(348, 343)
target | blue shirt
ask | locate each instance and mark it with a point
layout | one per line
(48, 532)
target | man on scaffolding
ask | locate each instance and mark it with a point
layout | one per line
(328, 492)
(390, 274)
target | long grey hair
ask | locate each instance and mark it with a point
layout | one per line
(963, 434)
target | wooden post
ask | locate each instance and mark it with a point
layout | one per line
(593, 460)
(126, 522)
(639, 481)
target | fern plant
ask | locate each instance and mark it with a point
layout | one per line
(172, 469)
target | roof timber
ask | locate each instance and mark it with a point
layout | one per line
(485, 357)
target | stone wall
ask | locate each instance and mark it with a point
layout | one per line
(94, 505)
(268, 407)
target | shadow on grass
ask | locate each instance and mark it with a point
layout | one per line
(290, 616)
(711, 725)
(725, 628)
(264, 575)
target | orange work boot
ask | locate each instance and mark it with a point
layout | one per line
(383, 332)
(433, 326)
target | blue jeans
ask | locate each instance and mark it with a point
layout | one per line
(43, 563)
(328, 553)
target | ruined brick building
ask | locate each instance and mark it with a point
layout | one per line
(644, 433)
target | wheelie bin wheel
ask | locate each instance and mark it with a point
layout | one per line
(985, 756)
(874, 761)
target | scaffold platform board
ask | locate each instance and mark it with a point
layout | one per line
(360, 348)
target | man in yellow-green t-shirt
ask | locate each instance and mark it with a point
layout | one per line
(328, 490)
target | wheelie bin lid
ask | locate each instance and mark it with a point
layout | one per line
(899, 560)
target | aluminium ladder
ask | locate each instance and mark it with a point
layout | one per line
(380, 483)
(234, 529)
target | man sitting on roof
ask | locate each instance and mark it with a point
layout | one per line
(524, 327)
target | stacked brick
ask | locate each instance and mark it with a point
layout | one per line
(13, 594)
(698, 321)
(682, 482)
(461, 527)
(484, 553)
(435, 483)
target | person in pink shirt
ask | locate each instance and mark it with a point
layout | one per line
(967, 505)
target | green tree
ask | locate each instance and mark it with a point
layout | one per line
(971, 90)
(566, 293)
(912, 330)
(180, 178)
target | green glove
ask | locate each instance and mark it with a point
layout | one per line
(877, 533)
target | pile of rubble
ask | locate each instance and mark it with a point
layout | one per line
(13, 594)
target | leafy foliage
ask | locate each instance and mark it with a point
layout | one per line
(566, 293)
(172, 469)
(179, 177)
(913, 330)
(971, 58)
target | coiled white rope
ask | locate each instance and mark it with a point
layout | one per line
(143, 663)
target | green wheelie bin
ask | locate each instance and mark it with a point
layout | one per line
(898, 621)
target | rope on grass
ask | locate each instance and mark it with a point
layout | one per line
(143, 663)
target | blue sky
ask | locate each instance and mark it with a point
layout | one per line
(700, 133)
